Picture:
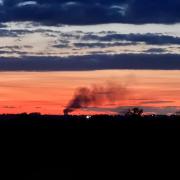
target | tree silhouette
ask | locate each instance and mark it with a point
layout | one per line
(137, 112)
(177, 113)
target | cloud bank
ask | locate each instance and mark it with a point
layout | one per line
(32, 39)
(92, 62)
(91, 11)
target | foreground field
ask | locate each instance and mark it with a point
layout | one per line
(99, 121)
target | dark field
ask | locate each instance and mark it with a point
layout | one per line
(41, 147)
(88, 122)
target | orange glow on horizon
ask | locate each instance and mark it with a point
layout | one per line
(50, 92)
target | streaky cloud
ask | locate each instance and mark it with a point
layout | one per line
(92, 62)
(148, 38)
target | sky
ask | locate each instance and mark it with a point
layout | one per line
(49, 48)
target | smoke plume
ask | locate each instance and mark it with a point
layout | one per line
(96, 95)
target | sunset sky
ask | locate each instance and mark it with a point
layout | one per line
(50, 48)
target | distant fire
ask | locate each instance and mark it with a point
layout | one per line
(95, 95)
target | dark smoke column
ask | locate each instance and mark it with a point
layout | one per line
(82, 98)
(96, 95)
(67, 111)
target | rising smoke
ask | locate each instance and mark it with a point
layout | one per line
(96, 95)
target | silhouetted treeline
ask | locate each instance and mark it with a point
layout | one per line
(96, 121)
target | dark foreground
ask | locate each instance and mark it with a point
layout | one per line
(89, 122)
(39, 147)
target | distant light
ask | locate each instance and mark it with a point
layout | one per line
(88, 117)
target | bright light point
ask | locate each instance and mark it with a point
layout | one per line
(88, 117)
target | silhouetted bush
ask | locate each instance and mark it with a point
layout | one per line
(135, 112)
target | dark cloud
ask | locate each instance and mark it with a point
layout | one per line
(14, 33)
(66, 45)
(9, 107)
(149, 38)
(156, 102)
(22, 53)
(92, 62)
(155, 50)
(6, 33)
(102, 45)
(3, 52)
(91, 11)
(90, 40)
(2, 25)
(10, 47)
